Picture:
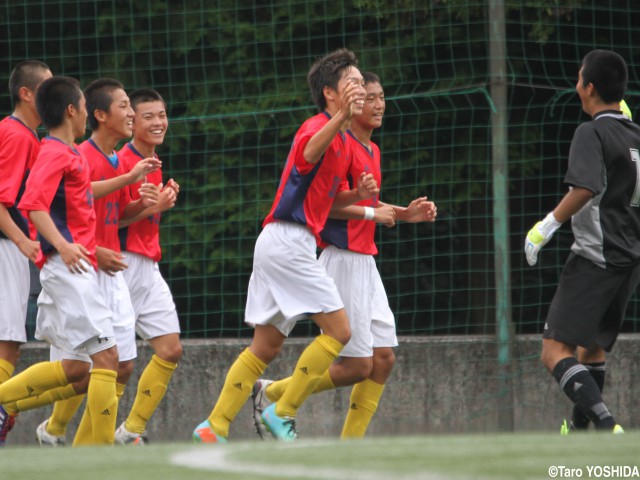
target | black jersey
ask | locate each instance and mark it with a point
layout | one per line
(604, 158)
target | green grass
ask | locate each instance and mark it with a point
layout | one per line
(490, 456)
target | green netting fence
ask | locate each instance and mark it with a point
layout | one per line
(233, 75)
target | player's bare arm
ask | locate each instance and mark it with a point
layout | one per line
(383, 214)
(72, 254)
(149, 195)
(166, 200)
(137, 173)
(110, 261)
(572, 203)
(419, 210)
(366, 188)
(29, 248)
(318, 143)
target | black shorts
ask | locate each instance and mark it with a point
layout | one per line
(590, 303)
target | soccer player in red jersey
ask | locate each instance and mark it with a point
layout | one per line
(156, 317)
(349, 247)
(72, 312)
(110, 118)
(288, 283)
(19, 146)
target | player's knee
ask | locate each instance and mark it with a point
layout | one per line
(171, 352)
(76, 371)
(385, 358)
(125, 370)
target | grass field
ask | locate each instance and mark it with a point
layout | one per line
(490, 456)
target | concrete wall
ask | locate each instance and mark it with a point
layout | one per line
(439, 385)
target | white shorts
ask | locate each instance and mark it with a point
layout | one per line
(72, 311)
(114, 288)
(288, 283)
(152, 301)
(359, 283)
(14, 292)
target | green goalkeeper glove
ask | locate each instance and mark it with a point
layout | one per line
(538, 237)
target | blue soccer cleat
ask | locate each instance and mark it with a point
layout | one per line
(203, 433)
(282, 428)
(6, 424)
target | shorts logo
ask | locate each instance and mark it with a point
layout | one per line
(104, 339)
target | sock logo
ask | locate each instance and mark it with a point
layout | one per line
(304, 370)
(106, 412)
(353, 406)
(238, 385)
(30, 390)
(577, 386)
(147, 392)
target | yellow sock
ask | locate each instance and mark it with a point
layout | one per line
(33, 381)
(236, 390)
(120, 390)
(84, 434)
(152, 386)
(63, 412)
(311, 366)
(46, 398)
(275, 390)
(6, 370)
(362, 405)
(102, 407)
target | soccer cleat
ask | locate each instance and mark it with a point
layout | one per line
(45, 439)
(205, 434)
(6, 424)
(564, 428)
(617, 430)
(282, 428)
(125, 437)
(260, 402)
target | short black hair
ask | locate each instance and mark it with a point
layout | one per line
(607, 71)
(54, 96)
(98, 96)
(27, 73)
(327, 71)
(144, 95)
(370, 77)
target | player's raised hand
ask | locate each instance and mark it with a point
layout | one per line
(367, 186)
(110, 261)
(149, 194)
(166, 198)
(352, 99)
(173, 185)
(75, 257)
(538, 237)
(143, 168)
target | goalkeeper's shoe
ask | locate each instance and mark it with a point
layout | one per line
(6, 424)
(205, 434)
(617, 430)
(125, 437)
(260, 402)
(282, 428)
(564, 428)
(45, 439)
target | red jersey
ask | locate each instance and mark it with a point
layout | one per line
(60, 184)
(142, 237)
(356, 235)
(19, 146)
(109, 208)
(307, 191)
